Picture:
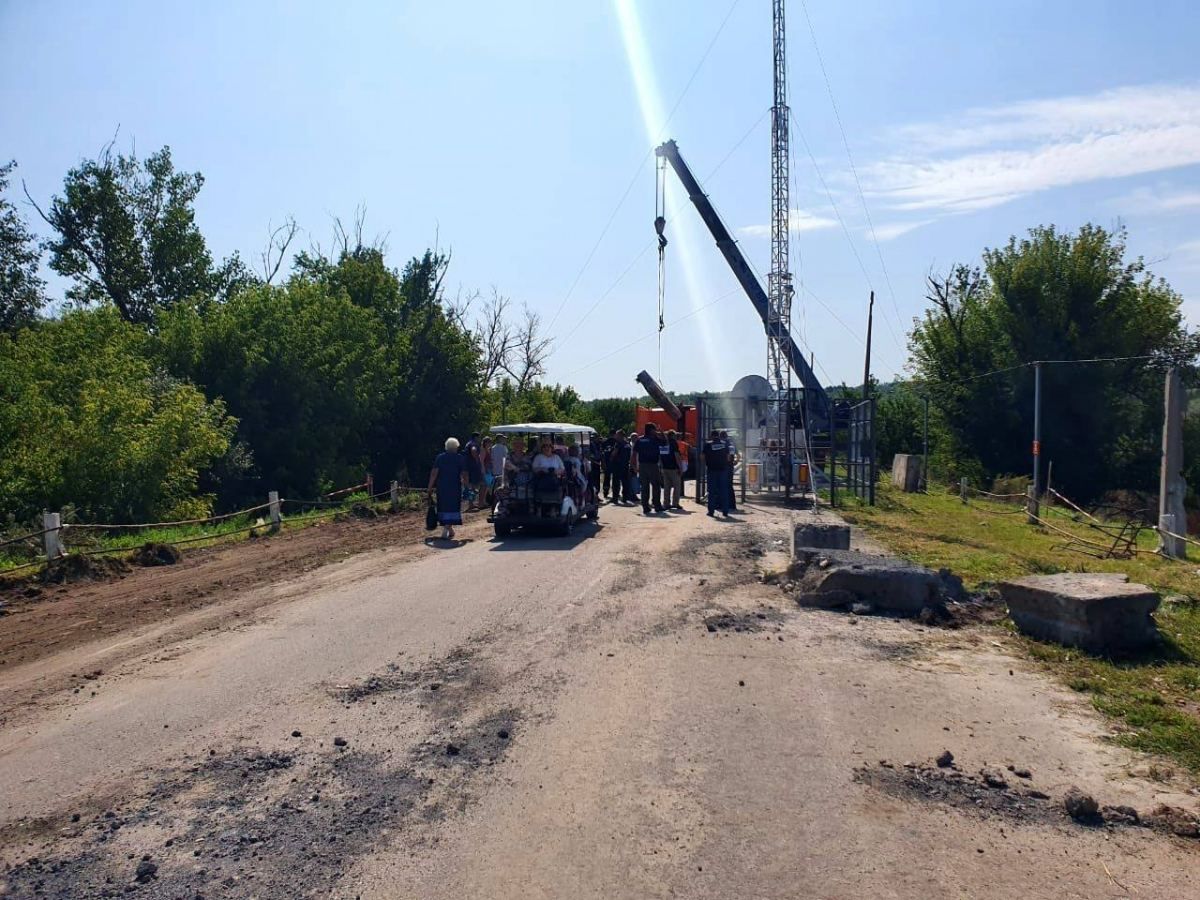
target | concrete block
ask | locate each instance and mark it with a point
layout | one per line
(820, 536)
(1100, 613)
(886, 583)
(907, 471)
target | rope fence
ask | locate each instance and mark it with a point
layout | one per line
(1120, 538)
(24, 537)
(54, 528)
(176, 524)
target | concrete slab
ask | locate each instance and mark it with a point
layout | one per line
(906, 472)
(1099, 612)
(832, 578)
(820, 536)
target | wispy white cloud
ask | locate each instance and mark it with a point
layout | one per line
(986, 157)
(1187, 255)
(799, 221)
(1158, 199)
(889, 231)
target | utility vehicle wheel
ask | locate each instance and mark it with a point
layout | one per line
(503, 529)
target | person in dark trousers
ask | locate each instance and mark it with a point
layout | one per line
(672, 472)
(647, 455)
(717, 464)
(731, 448)
(607, 448)
(595, 456)
(618, 467)
(633, 484)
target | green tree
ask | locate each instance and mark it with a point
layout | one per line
(87, 420)
(22, 291)
(303, 369)
(609, 413)
(1052, 296)
(431, 358)
(899, 422)
(125, 233)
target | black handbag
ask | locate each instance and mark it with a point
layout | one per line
(431, 516)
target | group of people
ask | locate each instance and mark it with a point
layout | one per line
(649, 467)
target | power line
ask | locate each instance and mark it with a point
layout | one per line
(641, 165)
(608, 291)
(745, 136)
(742, 140)
(1099, 359)
(596, 246)
(700, 64)
(1041, 362)
(842, 222)
(651, 334)
(853, 169)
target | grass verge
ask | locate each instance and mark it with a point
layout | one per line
(189, 537)
(1154, 698)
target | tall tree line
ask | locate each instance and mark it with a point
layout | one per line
(171, 383)
(1052, 296)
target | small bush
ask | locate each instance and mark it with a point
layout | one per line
(1011, 484)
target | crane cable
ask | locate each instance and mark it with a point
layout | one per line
(660, 224)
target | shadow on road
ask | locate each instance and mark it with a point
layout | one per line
(438, 543)
(540, 540)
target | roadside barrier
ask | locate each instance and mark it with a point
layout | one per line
(54, 530)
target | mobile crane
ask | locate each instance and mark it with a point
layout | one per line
(816, 400)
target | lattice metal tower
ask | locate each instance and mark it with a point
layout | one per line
(779, 281)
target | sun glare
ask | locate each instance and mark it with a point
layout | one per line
(681, 230)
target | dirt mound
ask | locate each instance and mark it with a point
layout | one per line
(983, 794)
(83, 568)
(977, 609)
(156, 555)
(742, 622)
(990, 794)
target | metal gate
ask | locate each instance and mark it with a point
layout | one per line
(862, 470)
(720, 414)
(762, 465)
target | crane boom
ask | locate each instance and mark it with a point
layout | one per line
(817, 399)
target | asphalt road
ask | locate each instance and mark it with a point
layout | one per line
(626, 713)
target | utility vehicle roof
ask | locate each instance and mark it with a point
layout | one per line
(544, 428)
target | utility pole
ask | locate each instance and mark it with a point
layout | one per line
(924, 486)
(867, 366)
(1033, 508)
(1172, 519)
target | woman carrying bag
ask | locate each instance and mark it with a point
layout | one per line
(448, 480)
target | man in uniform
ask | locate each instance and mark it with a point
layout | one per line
(717, 463)
(647, 453)
(731, 448)
(672, 472)
(606, 465)
(618, 468)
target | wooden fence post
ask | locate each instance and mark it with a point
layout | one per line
(962, 489)
(370, 487)
(276, 518)
(1031, 504)
(52, 541)
(394, 489)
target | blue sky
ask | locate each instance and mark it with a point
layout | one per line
(509, 132)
